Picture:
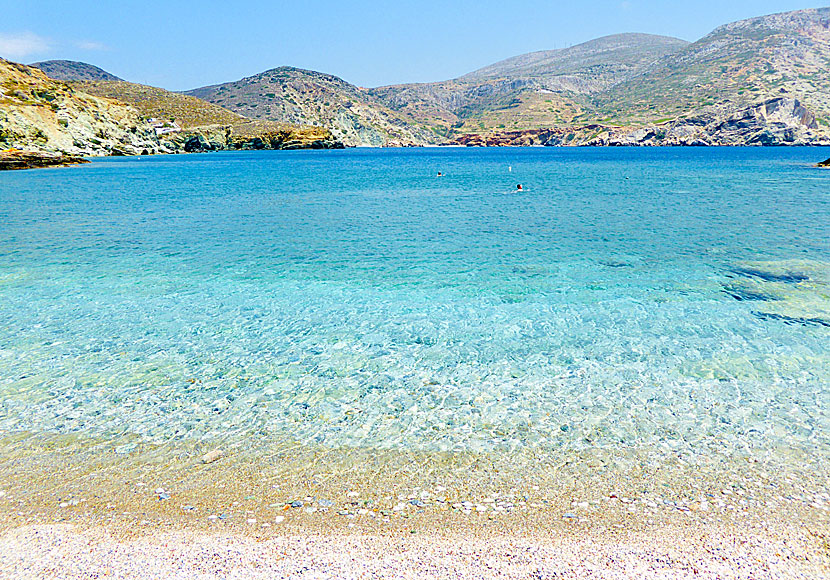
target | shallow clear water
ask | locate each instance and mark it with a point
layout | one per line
(626, 298)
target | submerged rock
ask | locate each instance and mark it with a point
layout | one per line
(212, 456)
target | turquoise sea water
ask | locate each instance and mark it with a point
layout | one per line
(673, 298)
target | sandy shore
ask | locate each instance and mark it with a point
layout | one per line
(63, 551)
(76, 508)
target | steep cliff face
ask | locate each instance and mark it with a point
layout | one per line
(39, 113)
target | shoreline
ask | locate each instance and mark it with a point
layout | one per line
(73, 502)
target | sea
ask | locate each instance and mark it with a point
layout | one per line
(673, 299)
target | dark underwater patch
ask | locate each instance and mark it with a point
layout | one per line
(747, 295)
(792, 319)
(788, 277)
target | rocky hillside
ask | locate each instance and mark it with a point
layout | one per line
(70, 70)
(302, 97)
(153, 102)
(91, 118)
(39, 113)
(746, 62)
(762, 81)
(585, 68)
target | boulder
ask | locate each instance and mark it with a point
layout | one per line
(197, 144)
(825, 163)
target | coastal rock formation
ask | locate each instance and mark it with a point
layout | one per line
(507, 138)
(825, 163)
(39, 113)
(33, 159)
(779, 121)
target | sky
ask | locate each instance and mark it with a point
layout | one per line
(182, 45)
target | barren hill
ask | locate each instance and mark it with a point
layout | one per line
(70, 70)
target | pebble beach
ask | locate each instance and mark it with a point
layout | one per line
(70, 511)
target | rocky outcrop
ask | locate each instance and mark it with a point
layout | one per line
(14, 159)
(249, 136)
(779, 121)
(825, 163)
(506, 138)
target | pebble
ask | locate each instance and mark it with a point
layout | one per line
(325, 503)
(251, 520)
(188, 508)
(212, 456)
(164, 495)
(213, 517)
(2, 493)
(296, 504)
(417, 502)
(279, 519)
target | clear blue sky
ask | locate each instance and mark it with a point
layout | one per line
(180, 45)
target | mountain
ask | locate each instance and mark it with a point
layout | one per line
(764, 81)
(297, 96)
(780, 55)
(70, 70)
(588, 67)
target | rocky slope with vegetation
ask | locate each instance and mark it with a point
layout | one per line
(302, 97)
(759, 81)
(543, 89)
(214, 127)
(42, 114)
(113, 117)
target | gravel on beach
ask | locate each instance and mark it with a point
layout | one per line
(67, 552)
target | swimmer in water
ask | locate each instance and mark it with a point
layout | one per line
(519, 187)
(440, 174)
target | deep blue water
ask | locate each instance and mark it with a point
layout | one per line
(628, 297)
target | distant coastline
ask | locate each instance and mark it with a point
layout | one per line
(752, 82)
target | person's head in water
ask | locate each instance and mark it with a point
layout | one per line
(440, 174)
(519, 187)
